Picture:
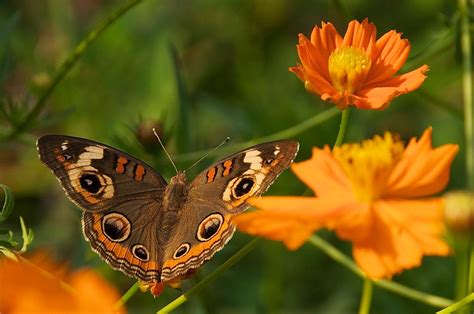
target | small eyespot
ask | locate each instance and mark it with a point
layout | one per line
(243, 187)
(269, 161)
(67, 156)
(116, 227)
(209, 227)
(140, 252)
(90, 182)
(182, 250)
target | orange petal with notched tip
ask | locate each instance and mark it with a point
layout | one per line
(322, 173)
(378, 95)
(360, 35)
(389, 56)
(422, 169)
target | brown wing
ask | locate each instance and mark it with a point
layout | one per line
(126, 238)
(96, 176)
(121, 197)
(214, 196)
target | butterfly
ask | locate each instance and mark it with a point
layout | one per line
(149, 229)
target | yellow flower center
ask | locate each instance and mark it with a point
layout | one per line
(348, 68)
(369, 164)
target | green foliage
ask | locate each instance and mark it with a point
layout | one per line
(8, 245)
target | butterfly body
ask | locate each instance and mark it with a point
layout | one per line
(149, 229)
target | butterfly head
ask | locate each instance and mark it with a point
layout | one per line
(178, 179)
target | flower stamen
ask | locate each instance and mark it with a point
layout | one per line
(348, 68)
(369, 164)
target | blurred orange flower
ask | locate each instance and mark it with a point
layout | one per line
(357, 69)
(40, 286)
(372, 194)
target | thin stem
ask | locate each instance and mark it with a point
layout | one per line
(397, 288)
(456, 306)
(69, 63)
(366, 298)
(199, 286)
(465, 12)
(342, 127)
(127, 295)
(287, 133)
(467, 91)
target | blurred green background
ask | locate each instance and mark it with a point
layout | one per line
(200, 71)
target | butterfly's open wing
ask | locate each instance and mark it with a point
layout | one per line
(96, 176)
(217, 194)
(121, 197)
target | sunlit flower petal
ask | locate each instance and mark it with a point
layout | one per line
(422, 169)
(41, 286)
(358, 69)
(368, 193)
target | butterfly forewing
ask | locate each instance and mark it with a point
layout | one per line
(96, 176)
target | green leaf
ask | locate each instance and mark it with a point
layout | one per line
(8, 253)
(27, 235)
(8, 203)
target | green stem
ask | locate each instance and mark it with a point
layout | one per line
(287, 133)
(366, 298)
(68, 64)
(456, 306)
(397, 288)
(227, 264)
(127, 295)
(342, 127)
(465, 12)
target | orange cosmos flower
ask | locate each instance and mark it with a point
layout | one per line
(41, 286)
(373, 194)
(357, 69)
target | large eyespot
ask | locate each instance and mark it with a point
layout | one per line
(182, 250)
(140, 252)
(243, 187)
(116, 227)
(209, 227)
(90, 182)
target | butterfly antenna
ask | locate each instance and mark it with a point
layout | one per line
(211, 151)
(166, 152)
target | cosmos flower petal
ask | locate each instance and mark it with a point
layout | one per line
(327, 177)
(406, 230)
(422, 170)
(351, 223)
(360, 35)
(375, 98)
(39, 285)
(422, 222)
(379, 95)
(325, 39)
(288, 219)
(310, 57)
(390, 55)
